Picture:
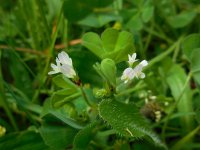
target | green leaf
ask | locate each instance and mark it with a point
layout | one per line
(22, 141)
(17, 97)
(77, 9)
(185, 140)
(84, 136)
(124, 38)
(85, 70)
(93, 42)
(147, 13)
(98, 20)
(63, 96)
(135, 23)
(196, 105)
(176, 79)
(182, 19)
(66, 91)
(60, 100)
(57, 137)
(191, 49)
(37, 29)
(53, 7)
(20, 74)
(126, 120)
(195, 64)
(108, 68)
(63, 82)
(60, 115)
(190, 43)
(69, 93)
(112, 44)
(109, 38)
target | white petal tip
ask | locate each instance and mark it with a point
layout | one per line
(142, 76)
(144, 63)
(51, 72)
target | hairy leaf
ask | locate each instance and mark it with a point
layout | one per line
(126, 120)
(57, 137)
(84, 136)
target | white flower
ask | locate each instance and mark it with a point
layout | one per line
(137, 71)
(132, 59)
(127, 75)
(130, 73)
(63, 65)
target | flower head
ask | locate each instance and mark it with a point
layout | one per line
(129, 73)
(63, 65)
(132, 59)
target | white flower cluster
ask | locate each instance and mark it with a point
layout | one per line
(129, 73)
(63, 65)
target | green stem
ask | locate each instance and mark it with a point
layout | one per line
(4, 101)
(128, 91)
(160, 31)
(164, 54)
(24, 104)
(67, 99)
(65, 31)
(85, 96)
(182, 142)
(148, 39)
(175, 105)
(107, 133)
(177, 50)
(44, 74)
(44, 20)
(153, 32)
(118, 5)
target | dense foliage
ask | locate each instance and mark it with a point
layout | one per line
(101, 93)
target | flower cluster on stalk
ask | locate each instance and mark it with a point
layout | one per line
(136, 72)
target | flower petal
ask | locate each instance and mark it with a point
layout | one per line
(64, 58)
(68, 71)
(55, 70)
(134, 56)
(129, 57)
(144, 63)
(128, 74)
(52, 72)
(132, 59)
(53, 66)
(57, 62)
